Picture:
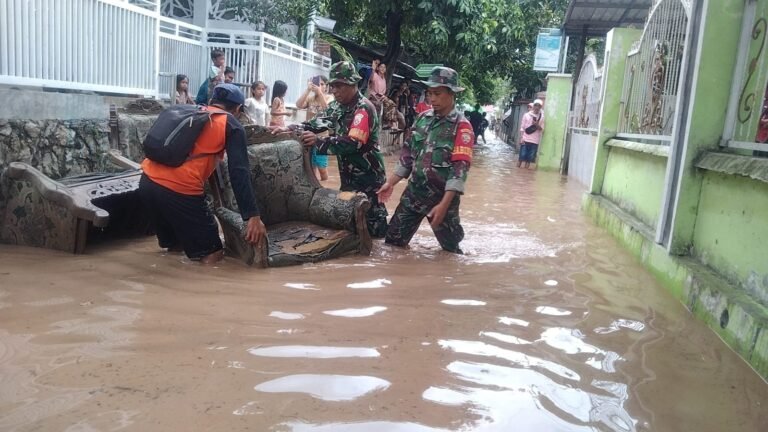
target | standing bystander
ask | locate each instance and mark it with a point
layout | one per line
(256, 107)
(377, 83)
(202, 93)
(424, 105)
(229, 75)
(182, 91)
(531, 127)
(216, 71)
(315, 100)
(277, 110)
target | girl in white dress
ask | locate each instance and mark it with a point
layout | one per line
(256, 107)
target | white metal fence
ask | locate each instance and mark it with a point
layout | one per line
(80, 44)
(261, 56)
(127, 47)
(652, 74)
(181, 52)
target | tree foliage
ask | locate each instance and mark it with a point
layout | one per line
(491, 39)
(490, 42)
(272, 15)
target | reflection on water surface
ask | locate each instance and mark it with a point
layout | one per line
(545, 324)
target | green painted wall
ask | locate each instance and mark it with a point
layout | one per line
(731, 234)
(556, 110)
(717, 260)
(715, 63)
(617, 44)
(702, 291)
(634, 181)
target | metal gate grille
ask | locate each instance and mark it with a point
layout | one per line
(588, 91)
(649, 97)
(749, 94)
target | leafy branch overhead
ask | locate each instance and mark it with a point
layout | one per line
(490, 42)
(272, 16)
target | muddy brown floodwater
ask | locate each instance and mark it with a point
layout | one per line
(546, 324)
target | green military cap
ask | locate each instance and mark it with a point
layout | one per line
(444, 77)
(344, 72)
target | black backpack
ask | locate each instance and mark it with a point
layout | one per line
(172, 136)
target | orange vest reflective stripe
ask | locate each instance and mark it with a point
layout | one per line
(190, 177)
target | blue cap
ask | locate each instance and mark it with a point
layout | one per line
(228, 93)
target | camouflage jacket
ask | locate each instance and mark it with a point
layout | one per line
(355, 144)
(436, 158)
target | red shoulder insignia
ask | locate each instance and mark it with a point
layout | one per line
(360, 129)
(463, 143)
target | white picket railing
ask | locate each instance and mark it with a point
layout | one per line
(182, 51)
(127, 47)
(79, 44)
(261, 56)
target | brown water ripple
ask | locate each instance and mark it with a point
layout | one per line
(545, 324)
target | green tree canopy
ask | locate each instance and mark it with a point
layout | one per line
(490, 42)
(271, 15)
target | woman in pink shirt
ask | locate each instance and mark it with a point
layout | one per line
(531, 128)
(377, 84)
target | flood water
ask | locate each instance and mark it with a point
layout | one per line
(546, 324)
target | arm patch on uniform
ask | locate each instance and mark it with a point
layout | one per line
(462, 145)
(359, 130)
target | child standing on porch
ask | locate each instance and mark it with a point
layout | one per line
(278, 111)
(255, 106)
(218, 60)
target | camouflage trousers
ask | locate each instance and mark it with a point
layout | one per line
(405, 222)
(377, 220)
(376, 217)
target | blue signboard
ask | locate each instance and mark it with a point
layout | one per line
(548, 45)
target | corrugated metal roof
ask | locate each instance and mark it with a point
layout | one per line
(597, 17)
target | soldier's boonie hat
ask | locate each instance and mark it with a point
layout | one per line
(444, 77)
(228, 93)
(343, 72)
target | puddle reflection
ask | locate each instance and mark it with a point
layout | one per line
(307, 351)
(325, 387)
(523, 360)
(374, 426)
(374, 284)
(356, 313)
(302, 286)
(549, 310)
(459, 302)
(286, 315)
(523, 399)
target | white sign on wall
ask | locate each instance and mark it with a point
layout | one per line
(548, 45)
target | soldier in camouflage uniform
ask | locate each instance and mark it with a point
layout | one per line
(355, 143)
(436, 158)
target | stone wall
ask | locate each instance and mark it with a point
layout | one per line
(58, 148)
(133, 129)
(62, 148)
